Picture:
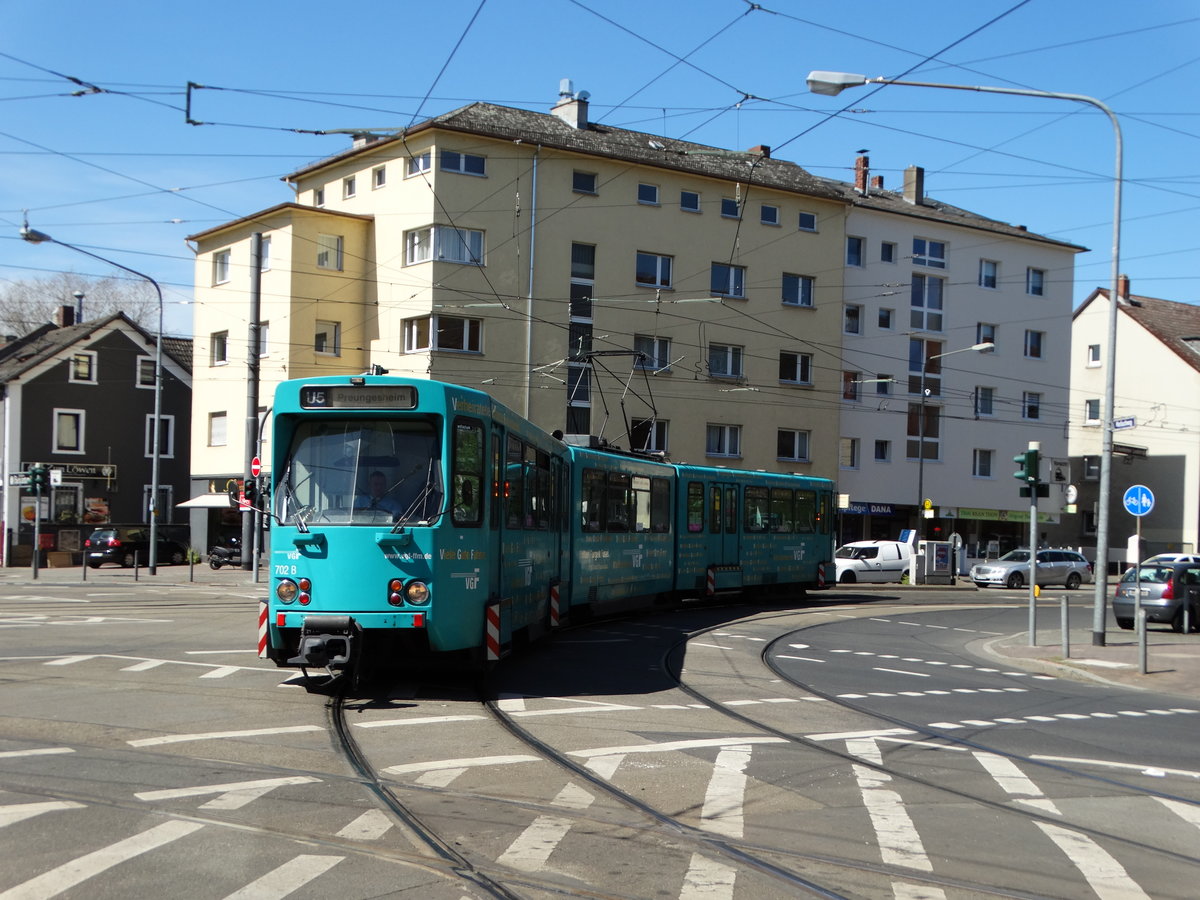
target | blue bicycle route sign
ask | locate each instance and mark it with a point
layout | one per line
(1138, 500)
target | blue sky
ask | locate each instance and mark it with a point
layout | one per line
(121, 173)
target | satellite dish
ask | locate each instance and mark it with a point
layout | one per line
(583, 95)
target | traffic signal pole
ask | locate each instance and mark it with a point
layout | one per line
(35, 476)
(1029, 474)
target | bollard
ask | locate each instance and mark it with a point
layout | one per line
(1141, 632)
(1066, 639)
(191, 567)
(84, 567)
(136, 565)
(1187, 617)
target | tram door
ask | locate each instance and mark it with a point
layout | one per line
(723, 524)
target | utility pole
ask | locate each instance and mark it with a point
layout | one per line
(253, 338)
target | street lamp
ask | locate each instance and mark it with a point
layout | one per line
(982, 347)
(37, 237)
(833, 83)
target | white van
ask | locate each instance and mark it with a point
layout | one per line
(872, 561)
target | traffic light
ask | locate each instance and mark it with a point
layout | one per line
(39, 478)
(1028, 461)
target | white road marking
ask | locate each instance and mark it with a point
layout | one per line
(605, 766)
(1106, 876)
(19, 812)
(435, 764)
(902, 890)
(218, 652)
(68, 660)
(1187, 773)
(851, 735)
(897, 837)
(706, 878)
(713, 646)
(218, 735)
(726, 793)
(144, 665)
(902, 672)
(415, 720)
(1009, 776)
(533, 846)
(68, 875)
(666, 746)
(1185, 811)
(569, 710)
(37, 751)
(801, 658)
(232, 796)
(221, 671)
(511, 702)
(288, 878)
(370, 826)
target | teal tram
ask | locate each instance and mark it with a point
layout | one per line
(413, 517)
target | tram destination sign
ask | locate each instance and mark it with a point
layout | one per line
(367, 396)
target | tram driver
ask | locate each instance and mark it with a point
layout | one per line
(376, 496)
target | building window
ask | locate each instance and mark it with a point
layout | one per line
(985, 333)
(927, 296)
(1093, 356)
(443, 333)
(730, 208)
(327, 339)
(329, 251)
(985, 401)
(886, 318)
(166, 437)
(69, 430)
(655, 352)
(883, 384)
(219, 348)
(264, 255)
(981, 463)
(1091, 468)
(583, 182)
(647, 194)
(319, 196)
(848, 453)
(378, 177)
(1091, 412)
(1031, 405)
(419, 163)
(689, 201)
(728, 281)
(808, 221)
(854, 251)
(82, 367)
(1035, 282)
(795, 368)
(724, 361)
(852, 319)
(1033, 344)
(989, 273)
(221, 266)
(648, 435)
(653, 270)
(445, 244)
(887, 252)
(924, 372)
(798, 290)
(144, 377)
(929, 253)
(792, 445)
(723, 440)
(349, 187)
(851, 385)
(217, 430)
(883, 451)
(926, 434)
(769, 215)
(463, 163)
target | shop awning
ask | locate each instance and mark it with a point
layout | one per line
(206, 501)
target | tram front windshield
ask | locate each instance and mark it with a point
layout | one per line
(361, 472)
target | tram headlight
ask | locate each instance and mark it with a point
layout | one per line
(287, 590)
(416, 592)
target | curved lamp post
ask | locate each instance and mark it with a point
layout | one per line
(982, 347)
(833, 83)
(37, 237)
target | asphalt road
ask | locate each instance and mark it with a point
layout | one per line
(863, 749)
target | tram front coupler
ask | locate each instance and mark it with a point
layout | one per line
(327, 642)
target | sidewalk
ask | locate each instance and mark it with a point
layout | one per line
(201, 574)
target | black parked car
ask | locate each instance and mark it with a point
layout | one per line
(119, 545)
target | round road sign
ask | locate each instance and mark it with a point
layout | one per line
(1138, 500)
(256, 467)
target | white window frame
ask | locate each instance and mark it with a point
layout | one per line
(805, 290)
(985, 333)
(1093, 356)
(688, 194)
(662, 265)
(166, 449)
(734, 280)
(924, 315)
(218, 437)
(325, 326)
(647, 194)
(221, 264)
(80, 417)
(985, 401)
(659, 433)
(731, 355)
(330, 249)
(801, 364)
(1031, 405)
(319, 197)
(378, 177)
(807, 221)
(138, 365)
(982, 463)
(462, 166)
(801, 441)
(1035, 282)
(349, 187)
(444, 243)
(264, 335)
(418, 164)
(264, 256)
(928, 252)
(1091, 411)
(989, 274)
(769, 214)
(422, 334)
(218, 357)
(723, 440)
(1035, 344)
(92, 362)
(852, 319)
(657, 352)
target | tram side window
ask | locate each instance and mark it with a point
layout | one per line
(731, 517)
(533, 496)
(695, 507)
(714, 518)
(806, 512)
(757, 510)
(467, 477)
(593, 500)
(542, 496)
(781, 510)
(514, 482)
(620, 503)
(660, 505)
(640, 495)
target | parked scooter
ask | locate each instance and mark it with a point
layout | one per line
(228, 555)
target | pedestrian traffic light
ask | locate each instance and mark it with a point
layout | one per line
(39, 478)
(1028, 461)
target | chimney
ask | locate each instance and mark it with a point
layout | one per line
(761, 150)
(877, 183)
(914, 185)
(64, 316)
(1123, 287)
(572, 107)
(862, 170)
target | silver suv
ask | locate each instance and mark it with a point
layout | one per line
(1065, 567)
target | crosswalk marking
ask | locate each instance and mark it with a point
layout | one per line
(19, 812)
(706, 878)
(1009, 776)
(231, 796)
(288, 878)
(533, 846)
(1106, 876)
(370, 826)
(217, 735)
(725, 797)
